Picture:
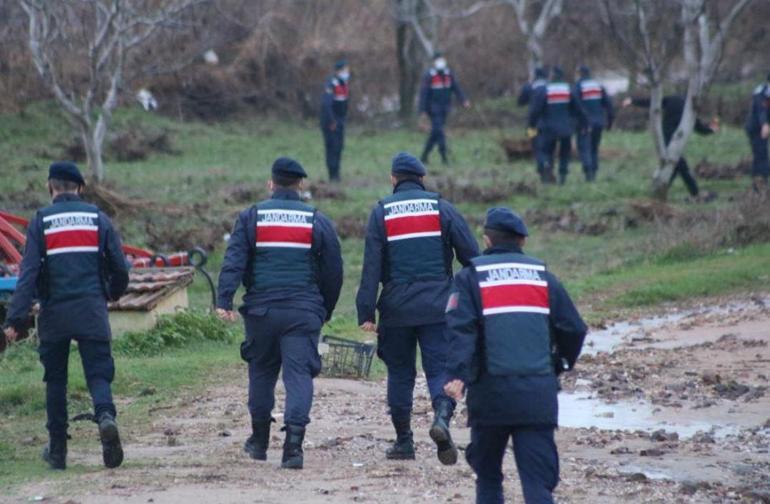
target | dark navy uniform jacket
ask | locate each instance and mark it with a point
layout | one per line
(334, 101)
(507, 400)
(64, 317)
(556, 109)
(419, 302)
(436, 91)
(528, 90)
(240, 249)
(673, 108)
(760, 101)
(596, 103)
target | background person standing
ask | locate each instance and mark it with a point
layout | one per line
(334, 112)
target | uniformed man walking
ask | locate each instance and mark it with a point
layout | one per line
(555, 110)
(411, 239)
(334, 112)
(287, 255)
(438, 85)
(512, 329)
(598, 108)
(673, 108)
(73, 264)
(758, 130)
(526, 98)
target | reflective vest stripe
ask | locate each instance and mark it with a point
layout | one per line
(514, 298)
(284, 228)
(590, 91)
(558, 93)
(414, 218)
(487, 267)
(71, 232)
(438, 81)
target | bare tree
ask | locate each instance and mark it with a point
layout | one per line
(642, 32)
(99, 34)
(533, 24)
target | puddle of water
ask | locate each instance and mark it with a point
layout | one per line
(582, 410)
(622, 333)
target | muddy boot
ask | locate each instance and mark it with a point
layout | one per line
(112, 450)
(439, 432)
(256, 445)
(403, 447)
(293, 457)
(55, 452)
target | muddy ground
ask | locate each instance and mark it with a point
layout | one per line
(672, 408)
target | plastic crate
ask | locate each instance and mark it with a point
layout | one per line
(344, 358)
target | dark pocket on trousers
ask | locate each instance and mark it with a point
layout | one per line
(248, 350)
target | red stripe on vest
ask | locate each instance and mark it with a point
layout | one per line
(412, 224)
(558, 96)
(76, 238)
(441, 81)
(498, 296)
(592, 93)
(285, 234)
(340, 91)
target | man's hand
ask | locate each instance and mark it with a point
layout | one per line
(455, 389)
(467, 104)
(765, 131)
(10, 334)
(715, 124)
(627, 102)
(531, 133)
(227, 315)
(423, 122)
(333, 126)
(369, 327)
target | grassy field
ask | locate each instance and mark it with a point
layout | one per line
(612, 260)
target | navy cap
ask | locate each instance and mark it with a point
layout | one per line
(584, 71)
(437, 55)
(287, 167)
(557, 73)
(65, 170)
(541, 72)
(341, 63)
(506, 220)
(405, 163)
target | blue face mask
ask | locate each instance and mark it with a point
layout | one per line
(344, 75)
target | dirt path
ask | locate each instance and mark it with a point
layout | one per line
(676, 410)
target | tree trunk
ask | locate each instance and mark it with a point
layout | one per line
(535, 51)
(94, 160)
(407, 74)
(672, 152)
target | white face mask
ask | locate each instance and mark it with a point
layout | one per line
(344, 75)
(440, 64)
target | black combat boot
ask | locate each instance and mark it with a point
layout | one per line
(256, 445)
(293, 457)
(403, 447)
(112, 450)
(439, 431)
(55, 452)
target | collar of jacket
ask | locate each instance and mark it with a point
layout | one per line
(285, 194)
(68, 196)
(503, 249)
(408, 185)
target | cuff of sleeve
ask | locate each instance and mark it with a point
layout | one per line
(225, 305)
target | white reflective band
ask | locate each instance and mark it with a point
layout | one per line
(558, 87)
(414, 235)
(410, 214)
(71, 215)
(409, 202)
(64, 250)
(279, 211)
(284, 224)
(487, 267)
(284, 245)
(517, 309)
(495, 283)
(70, 228)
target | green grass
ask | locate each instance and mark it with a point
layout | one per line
(608, 274)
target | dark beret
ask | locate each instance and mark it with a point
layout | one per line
(584, 71)
(541, 72)
(340, 63)
(287, 167)
(437, 55)
(65, 170)
(405, 163)
(506, 220)
(557, 73)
